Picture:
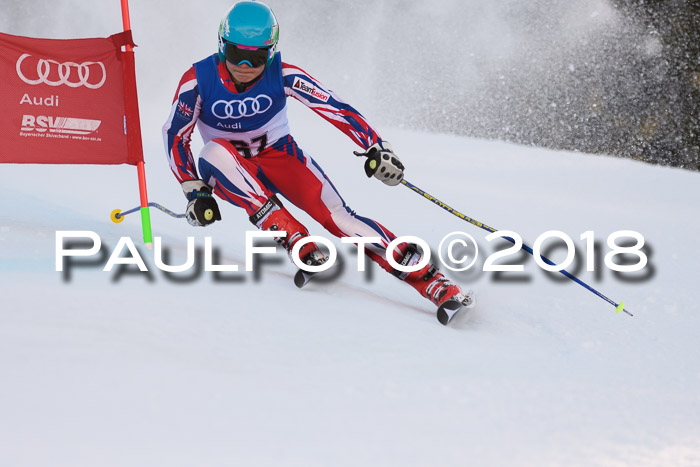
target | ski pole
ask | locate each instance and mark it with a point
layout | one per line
(117, 215)
(619, 307)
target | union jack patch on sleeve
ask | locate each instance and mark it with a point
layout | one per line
(184, 109)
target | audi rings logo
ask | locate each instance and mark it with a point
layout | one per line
(241, 108)
(66, 74)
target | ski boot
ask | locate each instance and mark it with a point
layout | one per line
(433, 285)
(272, 216)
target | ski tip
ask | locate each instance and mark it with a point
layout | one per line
(442, 317)
(447, 310)
(301, 278)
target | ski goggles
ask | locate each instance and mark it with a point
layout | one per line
(240, 54)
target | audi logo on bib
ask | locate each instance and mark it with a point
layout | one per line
(241, 108)
(69, 73)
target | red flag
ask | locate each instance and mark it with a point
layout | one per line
(68, 101)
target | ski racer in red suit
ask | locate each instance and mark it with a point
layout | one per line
(237, 99)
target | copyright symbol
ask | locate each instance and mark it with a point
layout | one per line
(467, 242)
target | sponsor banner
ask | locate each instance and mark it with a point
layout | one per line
(64, 101)
(309, 88)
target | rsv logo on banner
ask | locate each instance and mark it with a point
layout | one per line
(64, 101)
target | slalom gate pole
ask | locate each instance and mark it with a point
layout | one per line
(619, 307)
(135, 127)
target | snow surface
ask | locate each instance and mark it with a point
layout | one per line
(139, 369)
(108, 369)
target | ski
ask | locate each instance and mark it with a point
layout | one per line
(301, 278)
(450, 308)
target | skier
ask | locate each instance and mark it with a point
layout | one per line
(237, 98)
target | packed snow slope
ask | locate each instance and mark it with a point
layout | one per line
(144, 369)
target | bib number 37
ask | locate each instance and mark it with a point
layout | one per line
(258, 144)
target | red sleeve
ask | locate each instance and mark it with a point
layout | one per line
(309, 91)
(177, 131)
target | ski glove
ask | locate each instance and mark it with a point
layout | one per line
(202, 209)
(383, 163)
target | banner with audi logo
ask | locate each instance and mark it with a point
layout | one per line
(68, 101)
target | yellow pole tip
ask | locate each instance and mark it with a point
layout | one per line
(620, 307)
